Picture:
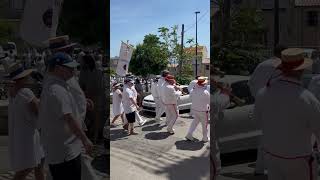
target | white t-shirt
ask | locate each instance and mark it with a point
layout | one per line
(200, 99)
(288, 115)
(24, 141)
(127, 95)
(117, 106)
(80, 98)
(59, 143)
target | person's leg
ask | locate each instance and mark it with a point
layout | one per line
(139, 119)
(115, 118)
(203, 118)
(162, 108)
(122, 118)
(21, 175)
(173, 116)
(156, 101)
(193, 126)
(260, 167)
(69, 170)
(39, 171)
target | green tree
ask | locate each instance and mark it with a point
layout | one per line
(148, 58)
(84, 21)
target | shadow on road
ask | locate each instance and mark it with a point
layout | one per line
(246, 176)
(189, 145)
(116, 134)
(194, 168)
(157, 135)
(155, 127)
(101, 163)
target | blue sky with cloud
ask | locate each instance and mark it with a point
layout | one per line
(133, 19)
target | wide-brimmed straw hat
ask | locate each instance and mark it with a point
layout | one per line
(60, 43)
(292, 59)
(202, 80)
(16, 71)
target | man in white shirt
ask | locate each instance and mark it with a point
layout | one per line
(171, 93)
(156, 97)
(161, 84)
(193, 84)
(264, 73)
(130, 105)
(200, 107)
(289, 115)
(61, 132)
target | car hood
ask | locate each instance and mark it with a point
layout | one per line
(149, 98)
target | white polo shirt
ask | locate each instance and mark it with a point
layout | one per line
(288, 115)
(127, 94)
(59, 143)
(200, 99)
(263, 72)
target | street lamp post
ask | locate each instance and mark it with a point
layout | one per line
(197, 12)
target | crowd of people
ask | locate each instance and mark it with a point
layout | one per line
(58, 128)
(166, 93)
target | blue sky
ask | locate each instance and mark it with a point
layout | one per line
(133, 19)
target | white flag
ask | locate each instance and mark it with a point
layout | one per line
(124, 59)
(40, 21)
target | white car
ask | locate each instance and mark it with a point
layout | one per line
(184, 102)
(237, 131)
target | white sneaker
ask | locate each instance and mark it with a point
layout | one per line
(206, 140)
(143, 122)
(171, 131)
(189, 138)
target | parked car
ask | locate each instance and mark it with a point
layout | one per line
(184, 102)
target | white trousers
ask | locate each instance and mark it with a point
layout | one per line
(215, 161)
(289, 169)
(138, 118)
(160, 107)
(202, 117)
(260, 164)
(172, 114)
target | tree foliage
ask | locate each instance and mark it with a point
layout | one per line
(84, 21)
(148, 57)
(243, 49)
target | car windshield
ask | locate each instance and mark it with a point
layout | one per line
(185, 90)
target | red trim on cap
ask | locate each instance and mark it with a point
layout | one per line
(290, 65)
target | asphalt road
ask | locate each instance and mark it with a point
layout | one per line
(154, 154)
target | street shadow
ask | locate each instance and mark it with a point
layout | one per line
(252, 165)
(246, 176)
(194, 168)
(186, 116)
(155, 127)
(157, 135)
(189, 145)
(116, 134)
(102, 163)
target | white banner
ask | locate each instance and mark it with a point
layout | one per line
(40, 21)
(122, 68)
(125, 51)
(124, 59)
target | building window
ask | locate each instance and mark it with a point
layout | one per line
(312, 18)
(207, 67)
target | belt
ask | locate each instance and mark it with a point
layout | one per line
(308, 158)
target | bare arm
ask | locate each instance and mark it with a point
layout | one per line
(77, 130)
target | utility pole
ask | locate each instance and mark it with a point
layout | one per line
(181, 59)
(197, 12)
(276, 24)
